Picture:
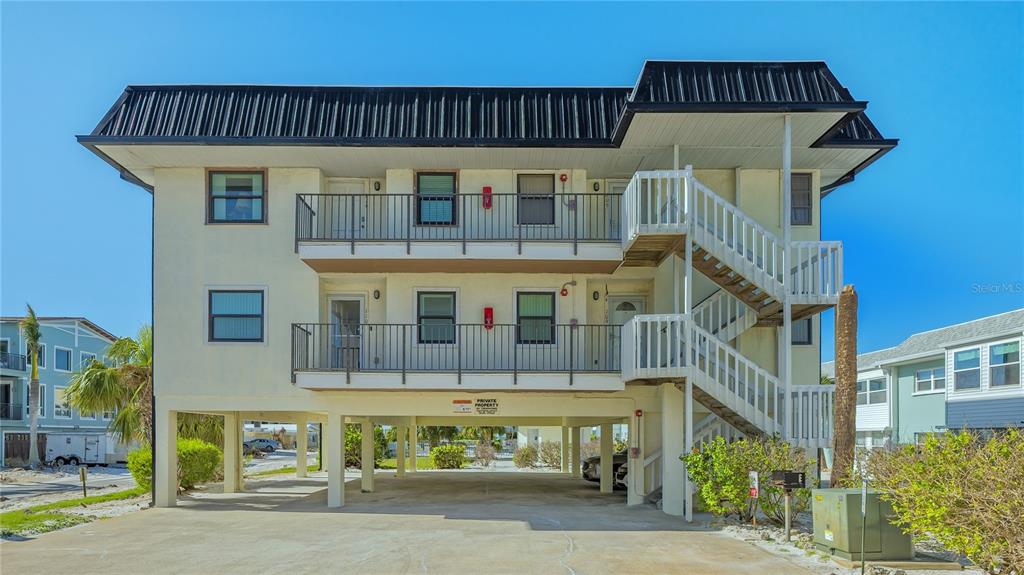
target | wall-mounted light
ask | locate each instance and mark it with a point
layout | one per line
(376, 186)
(596, 295)
(376, 294)
(597, 186)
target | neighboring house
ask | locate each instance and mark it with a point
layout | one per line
(66, 344)
(965, 376)
(529, 257)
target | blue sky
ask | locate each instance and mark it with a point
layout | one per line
(933, 232)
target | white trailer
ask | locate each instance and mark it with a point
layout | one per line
(81, 448)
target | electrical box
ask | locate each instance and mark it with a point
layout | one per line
(837, 527)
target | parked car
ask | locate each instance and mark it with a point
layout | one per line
(592, 466)
(621, 475)
(264, 445)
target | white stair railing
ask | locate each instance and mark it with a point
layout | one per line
(652, 346)
(817, 272)
(654, 203)
(812, 414)
(724, 315)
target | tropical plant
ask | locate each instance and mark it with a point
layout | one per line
(434, 434)
(30, 331)
(124, 386)
(845, 395)
(354, 445)
(198, 462)
(721, 472)
(960, 489)
(452, 456)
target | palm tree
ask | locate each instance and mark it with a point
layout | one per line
(125, 387)
(435, 434)
(845, 402)
(30, 331)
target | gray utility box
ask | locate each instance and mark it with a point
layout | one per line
(837, 527)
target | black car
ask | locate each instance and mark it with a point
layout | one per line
(592, 466)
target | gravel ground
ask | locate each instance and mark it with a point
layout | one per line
(801, 549)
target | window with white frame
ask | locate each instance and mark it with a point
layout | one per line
(61, 359)
(927, 380)
(536, 199)
(967, 369)
(535, 318)
(802, 332)
(109, 414)
(870, 439)
(61, 407)
(42, 399)
(42, 357)
(435, 317)
(871, 392)
(801, 200)
(1004, 364)
(86, 359)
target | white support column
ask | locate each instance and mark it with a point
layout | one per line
(635, 475)
(688, 444)
(334, 447)
(240, 468)
(672, 447)
(401, 435)
(413, 434)
(787, 307)
(367, 456)
(577, 450)
(565, 449)
(301, 447)
(607, 453)
(166, 443)
(232, 443)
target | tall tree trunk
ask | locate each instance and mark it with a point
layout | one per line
(33, 419)
(845, 404)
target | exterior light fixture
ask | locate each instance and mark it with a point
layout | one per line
(596, 295)
(376, 294)
(376, 186)
(597, 186)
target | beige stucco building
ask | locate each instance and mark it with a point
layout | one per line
(535, 257)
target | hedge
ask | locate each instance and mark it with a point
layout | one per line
(198, 462)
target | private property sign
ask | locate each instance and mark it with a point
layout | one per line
(478, 406)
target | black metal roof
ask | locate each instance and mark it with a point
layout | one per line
(467, 116)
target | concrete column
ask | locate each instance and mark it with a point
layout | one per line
(672, 447)
(688, 445)
(635, 477)
(166, 446)
(607, 452)
(232, 443)
(576, 452)
(301, 447)
(367, 456)
(241, 462)
(400, 434)
(413, 432)
(334, 446)
(565, 449)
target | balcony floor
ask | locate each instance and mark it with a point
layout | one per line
(524, 381)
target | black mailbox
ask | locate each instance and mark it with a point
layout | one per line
(789, 479)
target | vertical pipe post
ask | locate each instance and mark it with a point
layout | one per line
(301, 446)
(688, 445)
(787, 307)
(366, 460)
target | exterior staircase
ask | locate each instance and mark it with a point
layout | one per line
(664, 210)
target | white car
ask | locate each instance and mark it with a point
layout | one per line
(264, 445)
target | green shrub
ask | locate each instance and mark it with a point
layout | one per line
(550, 454)
(198, 462)
(721, 469)
(451, 456)
(963, 490)
(354, 445)
(619, 446)
(524, 457)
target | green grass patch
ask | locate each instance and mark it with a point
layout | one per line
(281, 471)
(46, 517)
(422, 463)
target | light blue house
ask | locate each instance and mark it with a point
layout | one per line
(964, 376)
(67, 343)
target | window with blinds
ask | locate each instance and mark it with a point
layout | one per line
(435, 199)
(535, 318)
(236, 315)
(536, 199)
(802, 332)
(802, 202)
(435, 317)
(236, 197)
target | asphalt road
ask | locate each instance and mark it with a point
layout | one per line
(98, 477)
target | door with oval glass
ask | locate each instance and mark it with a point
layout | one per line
(621, 308)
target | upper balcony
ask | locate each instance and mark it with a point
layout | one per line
(561, 232)
(12, 362)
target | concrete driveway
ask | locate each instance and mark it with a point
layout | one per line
(437, 522)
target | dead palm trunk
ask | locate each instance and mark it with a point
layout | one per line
(845, 403)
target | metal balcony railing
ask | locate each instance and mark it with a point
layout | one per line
(408, 218)
(537, 347)
(14, 361)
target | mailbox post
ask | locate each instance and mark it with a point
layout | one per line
(788, 481)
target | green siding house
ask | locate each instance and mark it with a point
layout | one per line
(964, 376)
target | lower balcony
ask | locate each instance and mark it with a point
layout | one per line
(12, 362)
(445, 356)
(12, 411)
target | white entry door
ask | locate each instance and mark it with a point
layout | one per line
(620, 310)
(345, 345)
